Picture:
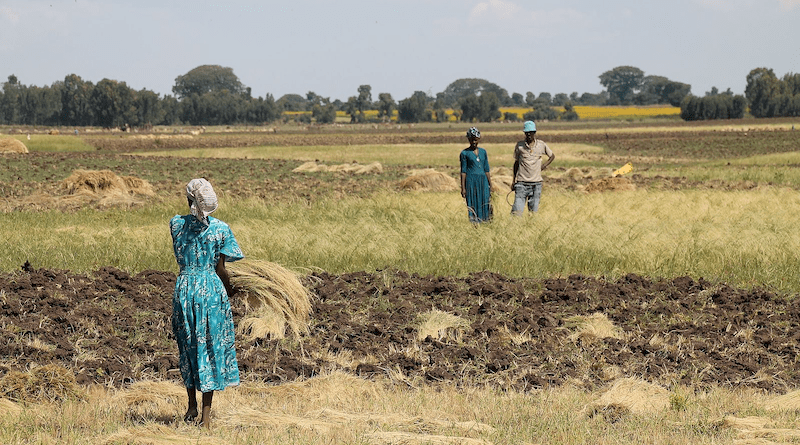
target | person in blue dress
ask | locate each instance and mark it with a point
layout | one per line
(476, 182)
(202, 320)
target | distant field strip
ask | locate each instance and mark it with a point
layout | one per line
(584, 112)
(607, 112)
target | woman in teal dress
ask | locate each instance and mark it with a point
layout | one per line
(476, 182)
(202, 320)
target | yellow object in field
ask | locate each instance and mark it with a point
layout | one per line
(625, 169)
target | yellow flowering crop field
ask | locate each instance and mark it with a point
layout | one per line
(621, 112)
(585, 112)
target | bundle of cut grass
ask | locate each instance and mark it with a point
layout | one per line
(610, 185)
(11, 145)
(591, 328)
(50, 382)
(354, 168)
(429, 180)
(105, 182)
(629, 395)
(502, 171)
(96, 181)
(573, 173)
(138, 186)
(502, 182)
(310, 167)
(274, 297)
(441, 325)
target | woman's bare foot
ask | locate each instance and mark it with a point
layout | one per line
(205, 421)
(191, 415)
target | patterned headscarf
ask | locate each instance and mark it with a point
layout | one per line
(203, 198)
(473, 133)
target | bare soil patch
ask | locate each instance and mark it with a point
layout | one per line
(518, 334)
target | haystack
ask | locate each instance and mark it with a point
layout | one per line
(429, 180)
(11, 145)
(50, 382)
(610, 185)
(354, 168)
(274, 297)
(105, 182)
(502, 171)
(573, 173)
(502, 182)
(629, 396)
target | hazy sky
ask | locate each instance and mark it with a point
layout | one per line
(333, 46)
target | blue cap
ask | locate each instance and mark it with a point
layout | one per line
(529, 126)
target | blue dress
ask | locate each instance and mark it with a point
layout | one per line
(477, 185)
(202, 320)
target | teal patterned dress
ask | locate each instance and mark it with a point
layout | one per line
(475, 166)
(202, 320)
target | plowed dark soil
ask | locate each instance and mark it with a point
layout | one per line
(111, 327)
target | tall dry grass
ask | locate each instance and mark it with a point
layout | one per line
(741, 237)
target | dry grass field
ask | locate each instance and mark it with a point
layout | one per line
(655, 307)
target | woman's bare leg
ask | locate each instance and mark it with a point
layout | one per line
(206, 419)
(191, 413)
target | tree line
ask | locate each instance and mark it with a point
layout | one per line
(213, 95)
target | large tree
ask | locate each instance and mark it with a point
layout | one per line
(292, 102)
(386, 106)
(462, 88)
(660, 90)
(622, 83)
(762, 89)
(75, 106)
(415, 108)
(323, 110)
(207, 79)
(10, 101)
(483, 108)
(112, 102)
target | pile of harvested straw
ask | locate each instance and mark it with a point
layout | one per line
(354, 168)
(11, 145)
(50, 382)
(274, 297)
(594, 327)
(441, 325)
(610, 185)
(429, 180)
(105, 182)
(629, 396)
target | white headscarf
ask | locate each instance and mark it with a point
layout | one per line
(203, 198)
